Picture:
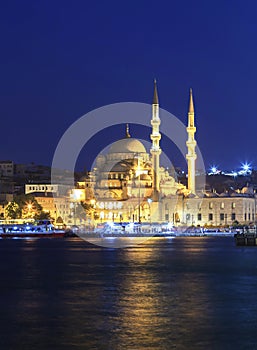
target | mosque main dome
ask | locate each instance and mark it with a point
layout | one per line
(127, 145)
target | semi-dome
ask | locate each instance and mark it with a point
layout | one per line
(127, 145)
(120, 166)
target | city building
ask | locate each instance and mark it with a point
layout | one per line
(59, 208)
(55, 199)
(57, 189)
(6, 168)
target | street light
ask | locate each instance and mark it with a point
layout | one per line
(29, 208)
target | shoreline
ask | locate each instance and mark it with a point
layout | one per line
(89, 235)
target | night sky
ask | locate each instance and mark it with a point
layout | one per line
(61, 59)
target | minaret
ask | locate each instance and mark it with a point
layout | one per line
(155, 149)
(191, 144)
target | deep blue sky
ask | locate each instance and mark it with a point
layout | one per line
(61, 59)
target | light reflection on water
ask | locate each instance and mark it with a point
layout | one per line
(185, 293)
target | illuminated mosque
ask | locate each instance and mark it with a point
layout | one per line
(128, 184)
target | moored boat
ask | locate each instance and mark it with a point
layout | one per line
(30, 231)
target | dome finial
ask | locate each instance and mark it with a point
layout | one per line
(127, 132)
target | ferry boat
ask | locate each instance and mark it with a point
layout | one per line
(29, 230)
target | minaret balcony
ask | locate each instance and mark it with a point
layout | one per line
(191, 143)
(191, 129)
(156, 121)
(155, 137)
(191, 156)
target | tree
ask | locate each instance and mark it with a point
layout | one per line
(13, 210)
(59, 220)
(42, 215)
(88, 209)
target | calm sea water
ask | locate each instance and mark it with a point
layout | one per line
(182, 293)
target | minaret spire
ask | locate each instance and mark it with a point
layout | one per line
(191, 102)
(191, 110)
(191, 144)
(155, 149)
(155, 94)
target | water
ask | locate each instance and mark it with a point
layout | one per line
(182, 293)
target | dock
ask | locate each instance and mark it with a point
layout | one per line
(246, 239)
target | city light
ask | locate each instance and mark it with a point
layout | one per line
(245, 169)
(214, 170)
(77, 194)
